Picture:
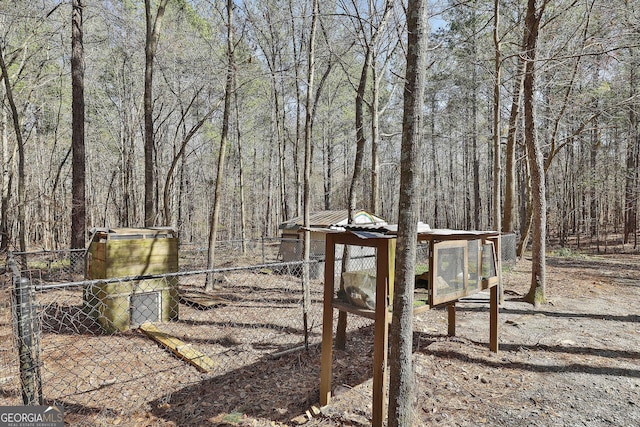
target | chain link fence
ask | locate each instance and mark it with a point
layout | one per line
(238, 253)
(121, 343)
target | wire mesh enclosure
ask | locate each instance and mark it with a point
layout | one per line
(252, 313)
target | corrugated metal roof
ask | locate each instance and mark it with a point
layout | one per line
(322, 219)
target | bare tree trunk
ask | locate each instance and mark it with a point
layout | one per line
(359, 110)
(508, 224)
(180, 154)
(374, 204)
(22, 242)
(593, 195)
(328, 176)
(298, 173)
(497, 152)
(243, 221)
(150, 47)
(527, 215)
(434, 171)
(78, 202)
(631, 178)
(284, 204)
(477, 200)
(306, 300)
(213, 223)
(536, 293)
(497, 163)
(360, 146)
(401, 387)
(360, 138)
(511, 177)
(269, 186)
(7, 178)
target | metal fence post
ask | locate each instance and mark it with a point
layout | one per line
(27, 339)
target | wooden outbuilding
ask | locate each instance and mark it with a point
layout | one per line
(136, 255)
(291, 235)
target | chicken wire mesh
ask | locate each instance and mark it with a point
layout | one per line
(121, 343)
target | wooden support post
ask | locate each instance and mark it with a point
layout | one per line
(381, 335)
(327, 322)
(451, 309)
(493, 318)
(497, 246)
(341, 331)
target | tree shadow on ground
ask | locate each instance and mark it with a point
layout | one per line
(274, 389)
(633, 318)
(601, 263)
(451, 354)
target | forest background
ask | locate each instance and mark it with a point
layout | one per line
(585, 98)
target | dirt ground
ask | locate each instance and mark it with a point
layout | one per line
(572, 362)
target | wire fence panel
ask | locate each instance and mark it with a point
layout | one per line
(122, 343)
(44, 267)
(95, 349)
(10, 386)
(235, 253)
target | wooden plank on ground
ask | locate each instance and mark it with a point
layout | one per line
(201, 300)
(184, 351)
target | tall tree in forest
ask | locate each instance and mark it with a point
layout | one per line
(497, 161)
(569, 123)
(153, 25)
(306, 299)
(20, 146)
(536, 294)
(360, 103)
(360, 134)
(383, 54)
(215, 213)
(297, 52)
(188, 135)
(6, 179)
(78, 203)
(401, 332)
(497, 152)
(270, 41)
(509, 209)
(241, 186)
(475, 152)
(632, 170)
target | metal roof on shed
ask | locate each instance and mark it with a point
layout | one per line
(329, 218)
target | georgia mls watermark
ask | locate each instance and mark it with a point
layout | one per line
(31, 416)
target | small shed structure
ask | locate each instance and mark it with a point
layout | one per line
(134, 254)
(291, 245)
(291, 234)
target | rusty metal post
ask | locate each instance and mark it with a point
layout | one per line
(25, 319)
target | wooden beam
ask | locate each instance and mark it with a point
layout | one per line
(451, 309)
(327, 322)
(178, 347)
(380, 335)
(493, 318)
